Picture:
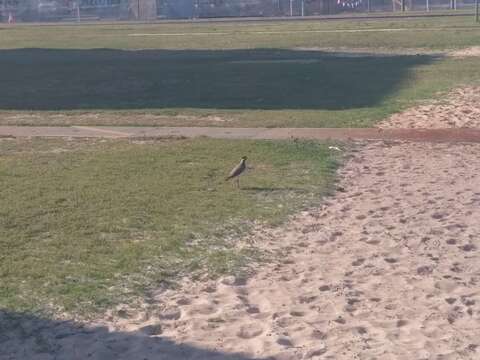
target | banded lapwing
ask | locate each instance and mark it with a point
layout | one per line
(237, 171)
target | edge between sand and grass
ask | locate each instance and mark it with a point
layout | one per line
(89, 224)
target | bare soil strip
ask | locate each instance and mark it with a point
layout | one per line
(111, 132)
(341, 134)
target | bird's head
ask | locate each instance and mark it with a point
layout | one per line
(244, 158)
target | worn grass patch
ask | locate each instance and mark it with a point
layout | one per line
(88, 224)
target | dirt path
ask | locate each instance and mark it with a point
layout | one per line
(421, 135)
(387, 269)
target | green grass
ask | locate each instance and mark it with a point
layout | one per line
(458, 32)
(90, 75)
(85, 225)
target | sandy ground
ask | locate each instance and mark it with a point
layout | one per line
(388, 268)
(473, 51)
(459, 109)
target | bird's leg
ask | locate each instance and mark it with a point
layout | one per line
(238, 182)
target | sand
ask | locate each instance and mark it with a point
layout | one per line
(473, 51)
(459, 109)
(388, 268)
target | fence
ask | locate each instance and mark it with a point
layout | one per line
(81, 10)
(265, 8)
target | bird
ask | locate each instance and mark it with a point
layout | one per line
(237, 171)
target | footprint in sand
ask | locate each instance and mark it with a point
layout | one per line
(315, 353)
(358, 262)
(297, 313)
(319, 335)
(253, 310)
(324, 288)
(249, 331)
(401, 323)
(467, 301)
(335, 235)
(151, 330)
(353, 301)
(203, 309)
(284, 342)
(451, 300)
(468, 247)
(184, 301)
(454, 314)
(234, 281)
(473, 347)
(286, 322)
(210, 289)
(362, 330)
(170, 314)
(124, 313)
(456, 268)
(305, 299)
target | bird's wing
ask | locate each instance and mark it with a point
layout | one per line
(237, 170)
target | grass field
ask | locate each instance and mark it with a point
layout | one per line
(85, 225)
(427, 33)
(229, 74)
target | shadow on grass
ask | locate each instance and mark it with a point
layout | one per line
(29, 337)
(49, 79)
